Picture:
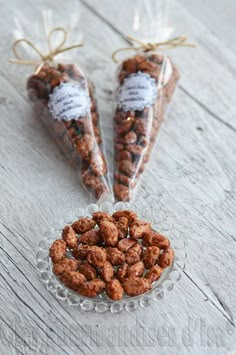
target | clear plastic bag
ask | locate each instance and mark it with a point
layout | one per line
(61, 94)
(64, 99)
(147, 82)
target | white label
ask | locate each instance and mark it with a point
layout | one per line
(69, 101)
(138, 91)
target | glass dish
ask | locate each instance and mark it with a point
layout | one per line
(102, 303)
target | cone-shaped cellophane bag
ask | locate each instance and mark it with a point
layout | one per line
(147, 82)
(64, 99)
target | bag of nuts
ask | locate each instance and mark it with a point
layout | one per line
(146, 84)
(63, 97)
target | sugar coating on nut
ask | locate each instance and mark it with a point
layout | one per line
(125, 244)
(102, 216)
(96, 256)
(115, 256)
(121, 272)
(114, 290)
(92, 288)
(109, 232)
(107, 271)
(131, 257)
(160, 240)
(136, 270)
(137, 248)
(83, 225)
(150, 256)
(121, 192)
(154, 273)
(90, 237)
(72, 279)
(134, 286)
(130, 215)
(166, 258)
(81, 252)
(122, 225)
(87, 270)
(139, 228)
(57, 250)
(65, 265)
(69, 236)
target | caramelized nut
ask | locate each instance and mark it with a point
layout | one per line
(57, 250)
(69, 236)
(96, 256)
(65, 265)
(150, 256)
(109, 233)
(83, 225)
(114, 290)
(166, 258)
(134, 286)
(107, 271)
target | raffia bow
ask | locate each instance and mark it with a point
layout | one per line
(49, 57)
(180, 41)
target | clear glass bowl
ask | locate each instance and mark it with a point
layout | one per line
(102, 303)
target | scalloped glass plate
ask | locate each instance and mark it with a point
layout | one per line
(102, 303)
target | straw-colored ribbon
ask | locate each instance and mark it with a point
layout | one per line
(49, 57)
(180, 41)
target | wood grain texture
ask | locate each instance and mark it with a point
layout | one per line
(190, 184)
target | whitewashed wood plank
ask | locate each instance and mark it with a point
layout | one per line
(218, 16)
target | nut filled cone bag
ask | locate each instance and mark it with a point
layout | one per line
(146, 84)
(63, 98)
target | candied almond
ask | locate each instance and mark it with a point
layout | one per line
(57, 250)
(88, 271)
(166, 258)
(72, 279)
(131, 257)
(136, 270)
(96, 256)
(80, 252)
(92, 288)
(154, 273)
(69, 236)
(122, 272)
(122, 192)
(122, 226)
(107, 271)
(114, 290)
(109, 232)
(138, 228)
(150, 256)
(102, 216)
(115, 256)
(90, 237)
(125, 213)
(83, 225)
(134, 286)
(160, 240)
(65, 264)
(125, 244)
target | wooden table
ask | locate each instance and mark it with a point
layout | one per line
(190, 183)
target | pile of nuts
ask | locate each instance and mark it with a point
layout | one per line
(136, 131)
(80, 138)
(115, 253)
